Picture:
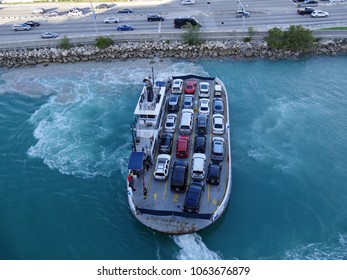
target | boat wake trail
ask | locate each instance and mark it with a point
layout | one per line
(193, 248)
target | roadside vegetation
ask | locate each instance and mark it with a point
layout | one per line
(65, 43)
(335, 28)
(295, 38)
(103, 42)
(191, 35)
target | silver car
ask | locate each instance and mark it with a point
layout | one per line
(21, 27)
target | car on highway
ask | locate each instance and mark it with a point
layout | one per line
(155, 17)
(318, 14)
(242, 13)
(53, 14)
(125, 27)
(49, 35)
(75, 12)
(125, 11)
(32, 23)
(188, 2)
(102, 6)
(21, 27)
(112, 20)
(38, 11)
(305, 11)
(308, 3)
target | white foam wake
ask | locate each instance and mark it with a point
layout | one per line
(193, 248)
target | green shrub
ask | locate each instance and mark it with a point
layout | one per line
(247, 39)
(65, 43)
(296, 38)
(191, 36)
(103, 42)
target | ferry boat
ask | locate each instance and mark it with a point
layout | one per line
(180, 177)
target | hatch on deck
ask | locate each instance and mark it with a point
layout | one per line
(136, 161)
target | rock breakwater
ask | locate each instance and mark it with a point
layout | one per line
(233, 49)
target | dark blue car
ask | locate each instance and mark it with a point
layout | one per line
(125, 27)
(193, 197)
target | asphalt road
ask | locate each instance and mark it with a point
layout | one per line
(219, 15)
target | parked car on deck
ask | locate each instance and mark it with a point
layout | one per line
(193, 197)
(170, 123)
(190, 87)
(38, 11)
(188, 2)
(162, 167)
(53, 14)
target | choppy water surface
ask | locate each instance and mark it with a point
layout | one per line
(65, 145)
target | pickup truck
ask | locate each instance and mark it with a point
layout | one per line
(305, 11)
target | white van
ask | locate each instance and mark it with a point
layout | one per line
(187, 121)
(198, 168)
(177, 86)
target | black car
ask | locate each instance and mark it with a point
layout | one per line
(305, 11)
(165, 146)
(32, 23)
(179, 176)
(200, 144)
(174, 103)
(193, 197)
(155, 17)
(213, 173)
(102, 6)
(125, 11)
(201, 124)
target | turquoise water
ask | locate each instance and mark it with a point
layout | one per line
(64, 146)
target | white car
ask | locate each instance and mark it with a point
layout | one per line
(204, 106)
(170, 124)
(177, 86)
(318, 13)
(38, 11)
(162, 167)
(204, 89)
(112, 20)
(75, 12)
(217, 124)
(188, 2)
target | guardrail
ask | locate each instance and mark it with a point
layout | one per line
(173, 36)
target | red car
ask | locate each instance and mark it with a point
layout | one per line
(190, 87)
(182, 146)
